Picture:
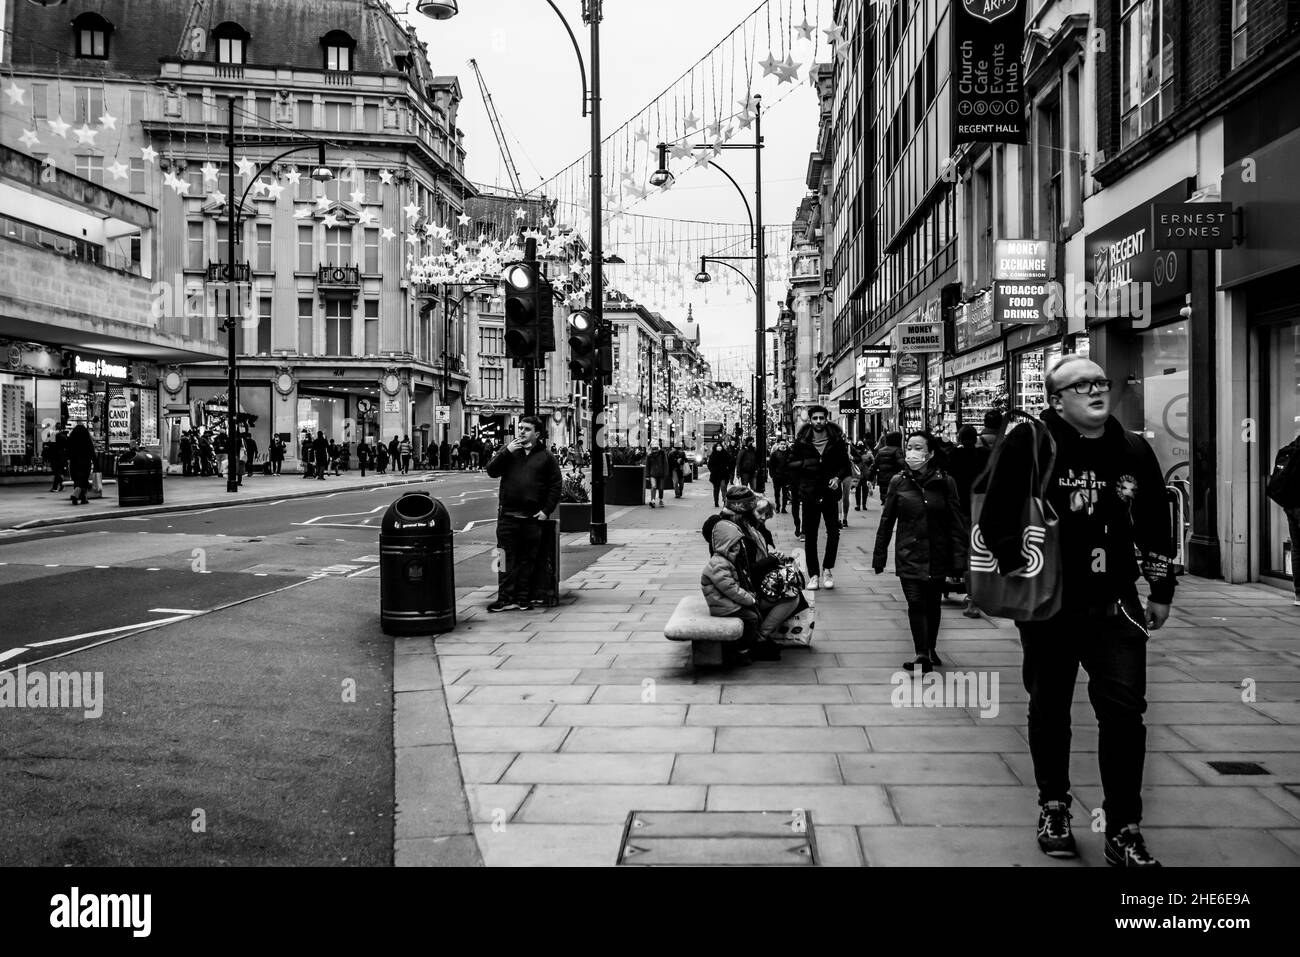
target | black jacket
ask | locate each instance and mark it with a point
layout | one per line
(776, 464)
(932, 531)
(720, 464)
(747, 460)
(889, 462)
(814, 471)
(964, 465)
(530, 482)
(81, 455)
(1109, 495)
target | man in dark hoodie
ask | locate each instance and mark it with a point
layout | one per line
(1107, 489)
(819, 462)
(530, 492)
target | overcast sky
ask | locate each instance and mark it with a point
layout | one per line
(530, 69)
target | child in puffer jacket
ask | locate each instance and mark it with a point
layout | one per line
(729, 596)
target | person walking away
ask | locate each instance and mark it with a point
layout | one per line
(307, 453)
(1108, 491)
(363, 456)
(404, 450)
(81, 462)
(863, 459)
(888, 463)
(444, 454)
(381, 458)
(334, 456)
(677, 468)
(454, 452)
(656, 469)
(1284, 489)
(58, 458)
(719, 468)
(250, 452)
(965, 463)
(475, 453)
(777, 471)
(321, 448)
(846, 489)
(277, 455)
(187, 454)
(394, 454)
(924, 503)
(819, 460)
(994, 426)
(529, 493)
(747, 463)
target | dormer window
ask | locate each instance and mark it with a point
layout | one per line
(231, 42)
(338, 50)
(92, 32)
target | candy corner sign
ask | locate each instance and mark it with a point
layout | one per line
(988, 103)
(119, 421)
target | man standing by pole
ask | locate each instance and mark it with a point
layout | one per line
(530, 492)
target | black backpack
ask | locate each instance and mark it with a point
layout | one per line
(1284, 484)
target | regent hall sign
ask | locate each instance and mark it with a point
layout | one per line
(98, 368)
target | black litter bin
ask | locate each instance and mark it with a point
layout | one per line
(139, 479)
(417, 579)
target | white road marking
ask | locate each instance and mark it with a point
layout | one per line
(52, 566)
(107, 631)
(176, 611)
(362, 571)
(103, 566)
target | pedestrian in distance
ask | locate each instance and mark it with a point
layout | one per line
(994, 426)
(187, 454)
(863, 459)
(444, 454)
(776, 470)
(656, 469)
(334, 456)
(381, 458)
(529, 493)
(1108, 491)
(1284, 489)
(363, 456)
(58, 458)
(747, 463)
(454, 452)
(475, 453)
(81, 462)
(819, 461)
(965, 462)
(719, 472)
(677, 468)
(277, 455)
(889, 462)
(404, 450)
(922, 500)
(206, 466)
(847, 487)
(250, 453)
(321, 448)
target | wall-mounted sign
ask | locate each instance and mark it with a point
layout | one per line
(987, 81)
(1020, 302)
(850, 405)
(1192, 225)
(915, 337)
(1128, 275)
(119, 422)
(1022, 260)
(989, 355)
(13, 418)
(876, 398)
(974, 322)
(442, 414)
(99, 368)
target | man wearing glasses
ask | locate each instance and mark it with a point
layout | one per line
(1108, 491)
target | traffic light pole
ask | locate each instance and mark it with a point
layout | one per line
(599, 529)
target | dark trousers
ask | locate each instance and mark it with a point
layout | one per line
(792, 492)
(519, 539)
(747, 478)
(406, 464)
(719, 489)
(827, 510)
(750, 618)
(1113, 652)
(677, 484)
(923, 597)
(1293, 525)
(861, 497)
(780, 494)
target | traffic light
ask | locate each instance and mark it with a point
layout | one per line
(605, 355)
(582, 345)
(530, 312)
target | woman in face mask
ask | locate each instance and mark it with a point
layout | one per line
(922, 499)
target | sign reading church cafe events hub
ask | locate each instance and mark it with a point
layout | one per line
(1021, 270)
(988, 97)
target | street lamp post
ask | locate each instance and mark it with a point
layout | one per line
(320, 174)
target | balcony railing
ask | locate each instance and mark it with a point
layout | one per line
(347, 275)
(220, 272)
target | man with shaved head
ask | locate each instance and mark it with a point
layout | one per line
(1107, 490)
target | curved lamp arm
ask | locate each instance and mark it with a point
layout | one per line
(753, 240)
(257, 174)
(739, 272)
(577, 50)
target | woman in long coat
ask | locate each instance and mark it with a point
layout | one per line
(81, 462)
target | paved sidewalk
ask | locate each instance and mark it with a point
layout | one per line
(566, 719)
(31, 506)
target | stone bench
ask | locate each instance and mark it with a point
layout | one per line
(691, 621)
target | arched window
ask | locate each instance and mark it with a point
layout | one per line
(339, 47)
(231, 43)
(91, 31)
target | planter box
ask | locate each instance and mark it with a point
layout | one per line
(575, 516)
(626, 485)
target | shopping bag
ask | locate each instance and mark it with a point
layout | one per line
(1031, 593)
(797, 630)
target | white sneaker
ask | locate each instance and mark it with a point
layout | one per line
(828, 579)
(813, 583)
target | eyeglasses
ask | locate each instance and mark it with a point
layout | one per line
(1086, 386)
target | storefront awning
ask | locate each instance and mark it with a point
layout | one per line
(114, 339)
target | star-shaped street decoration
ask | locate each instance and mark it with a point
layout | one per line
(638, 192)
(842, 49)
(705, 157)
(58, 126)
(148, 154)
(519, 212)
(680, 151)
(692, 121)
(329, 221)
(805, 29)
(789, 70)
(85, 134)
(747, 103)
(387, 234)
(302, 213)
(386, 177)
(714, 129)
(293, 176)
(642, 135)
(174, 182)
(273, 190)
(259, 187)
(365, 217)
(411, 210)
(210, 173)
(15, 93)
(217, 198)
(29, 138)
(744, 120)
(107, 121)
(117, 170)
(323, 202)
(833, 34)
(358, 196)
(771, 66)
(462, 219)
(246, 166)
(413, 238)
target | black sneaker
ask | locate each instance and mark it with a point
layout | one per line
(1054, 835)
(1127, 849)
(500, 605)
(923, 661)
(934, 659)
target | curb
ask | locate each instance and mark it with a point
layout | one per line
(220, 503)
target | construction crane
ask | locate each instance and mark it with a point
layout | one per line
(496, 128)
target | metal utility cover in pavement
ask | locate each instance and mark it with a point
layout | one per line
(718, 839)
(1237, 767)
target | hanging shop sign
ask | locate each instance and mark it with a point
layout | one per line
(974, 323)
(119, 422)
(1021, 302)
(876, 398)
(919, 337)
(850, 405)
(1021, 260)
(99, 368)
(442, 414)
(988, 102)
(1192, 225)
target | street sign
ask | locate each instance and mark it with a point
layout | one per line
(442, 414)
(916, 337)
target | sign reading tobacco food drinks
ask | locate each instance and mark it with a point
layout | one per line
(988, 103)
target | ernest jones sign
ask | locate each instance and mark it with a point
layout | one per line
(1192, 225)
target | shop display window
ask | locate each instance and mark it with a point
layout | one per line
(979, 393)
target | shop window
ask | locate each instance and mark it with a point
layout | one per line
(90, 104)
(372, 327)
(92, 32)
(1239, 11)
(91, 168)
(306, 250)
(264, 247)
(338, 327)
(306, 327)
(232, 43)
(1146, 66)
